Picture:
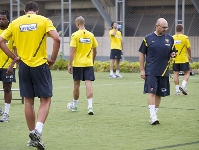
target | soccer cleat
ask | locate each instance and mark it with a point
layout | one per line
(183, 90)
(157, 120)
(90, 111)
(153, 119)
(31, 143)
(1, 112)
(119, 76)
(71, 107)
(35, 136)
(5, 118)
(177, 93)
(112, 76)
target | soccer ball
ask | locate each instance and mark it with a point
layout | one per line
(69, 105)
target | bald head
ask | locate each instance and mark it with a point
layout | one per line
(80, 20)
(161, 21)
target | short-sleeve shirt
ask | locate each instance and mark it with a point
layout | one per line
(5, 61)
(29, 33)
(157, 50)
(84, 41)
(181, 44)
(116, 40)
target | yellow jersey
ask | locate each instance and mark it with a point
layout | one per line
(116, 41)
(181, 42)
(5, 61)
(29, 33)
(84, 41)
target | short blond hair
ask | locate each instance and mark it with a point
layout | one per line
(80, 20)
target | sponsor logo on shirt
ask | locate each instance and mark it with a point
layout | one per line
(167, 42)
(84, 40)
(177, 41)
(28, 27)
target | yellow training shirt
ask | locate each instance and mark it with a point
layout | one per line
(29, 33)
(5, 61)
(116, 41)
(181, 42)
(84, 41)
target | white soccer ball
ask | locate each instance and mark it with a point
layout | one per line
(69, 105)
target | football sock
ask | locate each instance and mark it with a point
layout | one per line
(156, 110)
(75, 102)
(184, 83)
(117, 72)
(90, 102)
(177, 88)
(111, 72)
(151, 109)
(7, 107)
(39, 126)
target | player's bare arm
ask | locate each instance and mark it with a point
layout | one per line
(142, 70)
(71, 58)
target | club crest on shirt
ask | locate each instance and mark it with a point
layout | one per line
(167, 40)
(28, 27)
(84, 40)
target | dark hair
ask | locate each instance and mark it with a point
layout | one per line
(179, 28)
(31, 6)
(112, 24)
(6, 12)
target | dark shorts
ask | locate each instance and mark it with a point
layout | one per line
(116, 54)
(157, 85)
(83, 73)
(181, 67)
(35, 81)
(5, 78)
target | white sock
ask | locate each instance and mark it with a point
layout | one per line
(75, 102)
(7, 108)
(90, 102)
(177, 88)
(184, 83)
(151, 109)
(117, 72)
(156, 110)
(39, 126)
(111, 72)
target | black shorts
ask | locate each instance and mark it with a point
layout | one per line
(116, 54)
(83, 73)
(5, 78)
(181, 67)
(35, 81)
(157, 85)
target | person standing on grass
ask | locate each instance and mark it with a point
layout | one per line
(7, 67)
(116, 50)
(157, 48)
(29, 33)
(81, 60)
(181, 61)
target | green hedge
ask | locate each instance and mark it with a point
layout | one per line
(125, 66)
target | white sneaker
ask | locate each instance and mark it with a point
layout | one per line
(112, 76)
(157, 120)
(71, 107)
(5, 118)
(1, 112)
(183, 90)
(177, 93)
(119, 76)
(153, 119)
(90, 111)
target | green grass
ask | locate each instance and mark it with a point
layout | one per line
(120, 121)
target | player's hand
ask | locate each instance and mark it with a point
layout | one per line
(50, 62)
(173, 54)
(70, 69)
(190, 60)
(9, 71)
(16, 60)
(142, 74)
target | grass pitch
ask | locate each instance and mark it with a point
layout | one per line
(120, 121)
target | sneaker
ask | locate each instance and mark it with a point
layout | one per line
(90, 111)
(153, 119)
(157, 120)
(71, 107)
(1, 111)
(31, 143)
(177, 93)
(35, 136)
(119, 76)
(4, 118)
(112, 76)
(183, 90)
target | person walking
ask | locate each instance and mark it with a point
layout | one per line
(181, 61)
(29, 33)
(116, 50)
(81, 59)
(7, 68)
(158, 48)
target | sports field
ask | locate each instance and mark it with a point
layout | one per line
(120, 121)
